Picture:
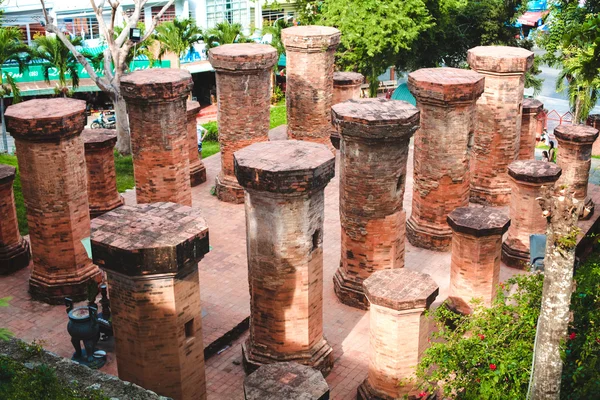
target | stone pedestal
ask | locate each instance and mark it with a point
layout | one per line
(374, 149)
(244, 102)
(399, 331)
(446, 99)
(156, 102)
(310, 54)
(286, 380)
(476, 249)
(498, 121)
(346, 86)
(197, 169)
(527, 179)
(284, 183)
(53, 178)
(99, 147)
(151, 253)
(574, 156)
(593, 120)
(14, 250)
(530, 128)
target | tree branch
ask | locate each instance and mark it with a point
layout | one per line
(150, 29)
(98, 9)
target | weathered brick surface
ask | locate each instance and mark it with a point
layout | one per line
(593, 120)
(527, 179)
(53, 177)
(531, 127)
(446, 99)
(156, 102)
(284, 183)
(575, 158)
(374, 150)
(197, 169)
(309, 78)
(101, 174)
(398, 330)
(476, 249)
(244, 100)
(286, 380)
(14, 250)
(498, 121)
(346, 86)
(151, 253)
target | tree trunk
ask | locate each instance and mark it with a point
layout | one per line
(577, 109)
(562, 212)
(123, 136)
(4, 138)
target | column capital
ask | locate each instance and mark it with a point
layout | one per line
(347, 79)
(478, 221)
(576, 134)
(153, 86)
(534, 171)
(97, 139)
(242, 57)
(401, 289)
(310, 39)
(7, 174)
(500, 59)
(446, 85)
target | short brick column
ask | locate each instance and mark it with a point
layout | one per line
(244, 104)
(498, 121)
(527, 178)
(284, 183)
(53, 178)
(346, 86)
(476, 249)
(14, 250)
(101, 174)
(310, 54)
(159, 137)
(197, 169)
(574, 156)
(398, 330)
(446, 99)
(593, 120)
(374, 150)
(286, 380)
(151, 253)
(530, 123)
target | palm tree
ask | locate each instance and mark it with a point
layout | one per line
(225, 33)
(57, 56)
(12, 49)
(178, 36)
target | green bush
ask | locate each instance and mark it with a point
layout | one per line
(212, 132)
(9, 159)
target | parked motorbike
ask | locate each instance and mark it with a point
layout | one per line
(104, 122)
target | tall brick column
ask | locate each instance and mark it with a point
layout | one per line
(156, 102)
(310, 54)
(151, 253)
(529, 128)
(476, 249)
(593, 120)
(244, 97)
(398, 331)
(346, 86)
(101, 174)
(446, 99)
(575, 158)
(14, 250)
(53, 178)
(498, 122)
(284, 183)
(197, 169)
(374, 149)
(527, 179)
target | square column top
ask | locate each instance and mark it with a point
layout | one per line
(400, 289)
(154, 85)
(534, 171)
(478, 221)
(347, 78)
(7, 174)
(500, 59)
(532, 106)
(577, 134)
(446, 84)
(149, 239)
(192, 108)
(285, 380)
(98, 138)
(242, 57)
(310, 38)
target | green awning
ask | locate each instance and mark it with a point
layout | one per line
(402, 93)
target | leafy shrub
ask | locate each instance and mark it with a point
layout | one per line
(277, 95)
(212, 132)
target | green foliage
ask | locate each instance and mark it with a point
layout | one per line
(141, 48)
(278, 116)
(178, 36)
(56, 55)
(209, 148)
(277, 95)
(224, 33)
(569, 241)
(5, 334)
(212, 132)
(9, 159)
(124, 171)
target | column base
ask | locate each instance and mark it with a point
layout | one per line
(320, 357)
(54, 292)
(490, 197)
(349, 292)
(229, 191)
(14, 257)
(515, 258)
(96, 211)
(335, 139)
(588, 210)
(366, 392)
(426, 238)
(197, 174)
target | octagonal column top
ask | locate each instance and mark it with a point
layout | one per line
(285, 380)
(576, 134)
(347, 78)
(532, 106)
(593, 119)
(500, 59)
(150, 85)
(310, 38)
(7, 174)
(192, 108)
(478, 221)
(534, 171)
(96, 139)
(400, 289)
(446, 85)
(42, 120)
(242, 57)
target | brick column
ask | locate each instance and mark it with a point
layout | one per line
(101, 174)
(157, 118)
(527, 179)
(310, 54)
(476, 248)
(398, 330)
(286, 380)
(575, 158)
(374, 149)
(446, 99)
(151, 253)
(529, 128)
(53, 178)
(346, 86)
(197, 169)
(498, 121)
(14, 250)
(593, 120)
(244, 96)
(284, 183)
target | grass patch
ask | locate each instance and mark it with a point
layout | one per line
(124, 169)
(20, 205)
(209, 148)
(278, 116)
